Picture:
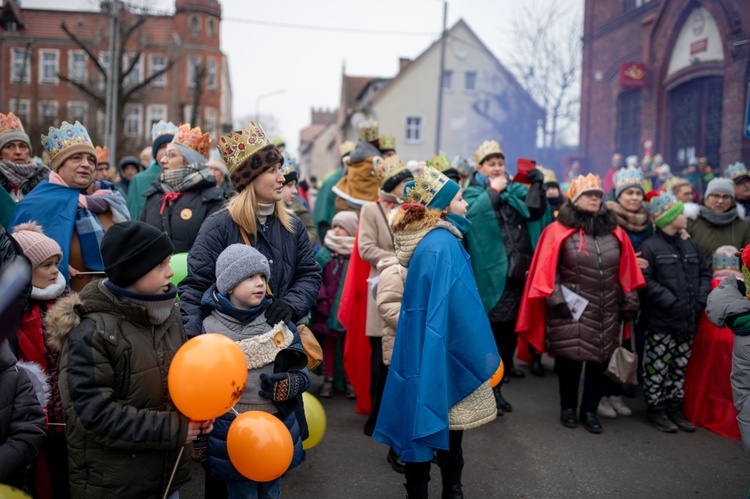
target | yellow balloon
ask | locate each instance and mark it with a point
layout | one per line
(8, 492)
(316, 420)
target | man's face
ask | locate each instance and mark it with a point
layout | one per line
(742, 188)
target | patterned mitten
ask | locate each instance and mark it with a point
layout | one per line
(283, 386)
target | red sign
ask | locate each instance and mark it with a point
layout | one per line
(699, 46)
(633, 75)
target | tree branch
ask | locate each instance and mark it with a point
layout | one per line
(83, 88)
(126, 95)
(83, 47)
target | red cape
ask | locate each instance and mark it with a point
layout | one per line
(532, 315)
(353, 316)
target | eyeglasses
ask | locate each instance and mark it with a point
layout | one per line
(720, 197)
(172, 154)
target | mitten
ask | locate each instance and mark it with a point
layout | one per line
(282, 386)
(535, 176)
(278, 311)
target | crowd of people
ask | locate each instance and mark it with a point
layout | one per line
(375, 272)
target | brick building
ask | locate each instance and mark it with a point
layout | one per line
(673, 73)
(37, 58)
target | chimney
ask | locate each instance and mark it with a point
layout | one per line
(403, 63)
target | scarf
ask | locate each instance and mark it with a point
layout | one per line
(463, 224)
(631, 221)
(23, 176)
(342, 245)
(265, 211)
(186, 179)
(225, 306)
(718, 219)
(50, 292)
(158, 307)
(87, 225)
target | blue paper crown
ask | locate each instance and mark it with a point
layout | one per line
(61, 138)
(736, 170)
(290, 164)
(163, 128)
(726, 262)
(462, 164)
(627, 177)
(661, 204)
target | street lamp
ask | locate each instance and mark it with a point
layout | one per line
(263, 96)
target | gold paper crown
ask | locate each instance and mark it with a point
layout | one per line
(387, 168)
(582, 184)
(549, 174)
(346, 148)
(368, 131)
(102, 155)
(237, 147)
(193, 138)
(387, 143)
(440, 162)
(425, 187)
(488, 147)
(10, 123)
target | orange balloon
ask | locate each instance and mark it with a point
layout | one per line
(207, 376)
(260, 446)
(498, 376)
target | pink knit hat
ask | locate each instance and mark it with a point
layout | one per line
(36, 246)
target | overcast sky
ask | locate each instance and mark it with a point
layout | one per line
(306, 63)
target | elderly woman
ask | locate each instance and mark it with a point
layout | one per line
(74, 209)
(586, 252)
(716, 222)
(185, 192)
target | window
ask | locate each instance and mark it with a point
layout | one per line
(77, 65)
(470, 81)
(210, 123)
(20, 109)
(628, 134)
(48, 113)
(193, 64)
(154, 113)
(21, 66)
(48, 65)
(211, 73)
(133, 121)
(156, 64)
(413, 129)
(136, 75)
(77, 111)
(447, 80)
(211, 28)
(195, 26)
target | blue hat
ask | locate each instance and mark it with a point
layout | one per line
(432, 190)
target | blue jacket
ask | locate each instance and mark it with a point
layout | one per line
(295, 276)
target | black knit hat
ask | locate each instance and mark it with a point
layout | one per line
(396, 179)
(160, 141)
(131, 250)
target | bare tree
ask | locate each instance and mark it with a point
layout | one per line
(268, 121)
(547, 62)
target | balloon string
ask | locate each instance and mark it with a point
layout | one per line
(169, 484)
(235, 411)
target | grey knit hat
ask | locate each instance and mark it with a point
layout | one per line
(191, 156)
(237, 263)
(720, 184)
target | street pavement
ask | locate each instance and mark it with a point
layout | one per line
(526, 453)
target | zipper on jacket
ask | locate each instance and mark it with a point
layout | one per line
(601, 296)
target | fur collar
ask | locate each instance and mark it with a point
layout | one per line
(631, 221)
(598, 224)
(410, 223)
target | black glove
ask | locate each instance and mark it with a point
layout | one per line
(741, 287)
(535, 176)
(278, 311)
(282, 386)
(562, 310)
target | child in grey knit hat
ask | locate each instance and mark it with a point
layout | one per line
(277, 365)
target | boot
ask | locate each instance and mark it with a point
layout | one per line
(326, 390)
(452, 483)
(675, 414)
(536, 365)
(591, 422)
(657, 416)
(568, 417)
(395, 461)
(502, 404)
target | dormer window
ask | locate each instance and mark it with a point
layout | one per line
(195, 26)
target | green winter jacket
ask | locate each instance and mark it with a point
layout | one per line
(710, 236)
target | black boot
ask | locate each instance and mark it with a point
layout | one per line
(591, 422)
(568, 417)
(452, 483)
(502, 404)
(657, 416)
(675, 414)
(395, 461)
(536, 365)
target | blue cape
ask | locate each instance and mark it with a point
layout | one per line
(444, 349)
(54, 208)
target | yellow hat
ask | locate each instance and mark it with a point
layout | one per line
(488, 148)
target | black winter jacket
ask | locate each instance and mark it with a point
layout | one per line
(295, 275)
(677, 285)
(21, 420)
(182, 218)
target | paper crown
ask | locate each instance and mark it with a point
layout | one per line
(664, 208)
(425, 187)
(10, 123)
(388, 168)
(193, 138)
(628, 177)
(736, 171)
(725, 258)
(59, 139)
(102, 155)
(290, 164)
(582, 184)
(162, 128)
(346, 148)
(387, 143)
(549, 175)
(237, 147)
(439, 162)
(368, 131)
(462, 164)
(487, 148)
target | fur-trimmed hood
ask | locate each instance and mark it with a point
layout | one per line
(410, 223)
(598, 224)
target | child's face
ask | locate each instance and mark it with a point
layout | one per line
(680, 222)
(339, 231)
(156, 281)
(288, 192)
(249, 293)
(458, 205)
(45, 273)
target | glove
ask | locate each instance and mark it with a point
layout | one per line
(535, 176)
(562, 310)
(282, 386)
(279, 311)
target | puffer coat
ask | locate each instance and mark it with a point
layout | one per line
(588, 265)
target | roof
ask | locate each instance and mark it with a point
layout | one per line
(353, 87)
(311, 132)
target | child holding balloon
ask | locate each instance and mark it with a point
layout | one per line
(276, 363)
(116, 341)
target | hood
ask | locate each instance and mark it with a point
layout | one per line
(7, 358)
(362, 151)
(597, 224)
(410, 224)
